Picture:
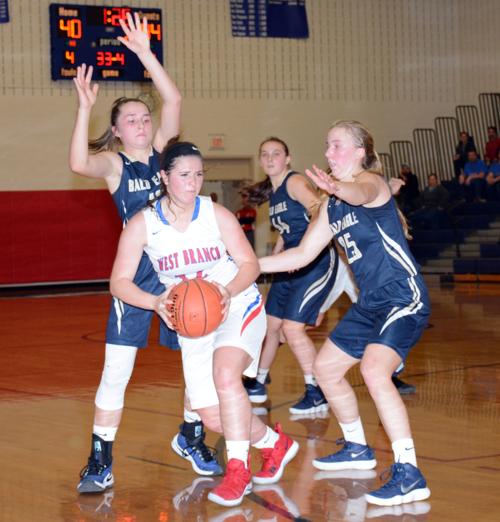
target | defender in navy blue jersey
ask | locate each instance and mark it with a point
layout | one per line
(294, 299)
(133, 178)
(387, 320)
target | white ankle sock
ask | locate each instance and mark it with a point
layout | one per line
(262, 375)
(106, 433)
(310, 379)
(268, 440)
(191, 416)
(404, 451)
(353, 431)
(238, 449)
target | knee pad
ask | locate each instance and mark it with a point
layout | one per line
(118, 366)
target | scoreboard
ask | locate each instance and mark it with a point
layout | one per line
(88, 34)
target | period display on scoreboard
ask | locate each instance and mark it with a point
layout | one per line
(88, 34)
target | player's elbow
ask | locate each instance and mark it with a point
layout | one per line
(253, 269)
(177, 99)
(174, 101)
(116, 286)
(77, 166)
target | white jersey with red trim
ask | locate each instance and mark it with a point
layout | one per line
(200, 252)
(197, 252)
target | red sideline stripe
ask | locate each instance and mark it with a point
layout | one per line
(251, 317)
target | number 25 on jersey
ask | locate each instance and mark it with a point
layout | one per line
(351, 250)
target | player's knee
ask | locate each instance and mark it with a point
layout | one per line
(273, 324)
(373, 375)
(115, 377)
(111, 392)
(211, 421)
(225, 378)
(294, 332)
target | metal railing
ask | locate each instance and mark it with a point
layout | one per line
(427, 152)
(387, 165)
(489, 107)
(447, 136)
(432, 150)
(469, 120)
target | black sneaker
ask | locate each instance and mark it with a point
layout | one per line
(406, 484)
(313, 401)
(97, 475)
(257, 392)
(403, 387)
(189, 444)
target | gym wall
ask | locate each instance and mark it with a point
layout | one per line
(393, 64)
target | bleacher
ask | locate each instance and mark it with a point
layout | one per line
(467, 248)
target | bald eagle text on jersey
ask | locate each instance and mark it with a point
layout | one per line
(139, 184)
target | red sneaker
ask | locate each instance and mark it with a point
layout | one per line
(275, 459)
(237, 483)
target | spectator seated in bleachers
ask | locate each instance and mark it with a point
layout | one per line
(464, 146)
(493, 180)
(492, 146)
(433, 210)
(473, 179)
(407, 197)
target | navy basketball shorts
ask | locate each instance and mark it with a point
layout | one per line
(129, 325)
(394, 315)
(298, 296)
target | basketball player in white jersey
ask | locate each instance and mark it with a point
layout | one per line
(186, 236)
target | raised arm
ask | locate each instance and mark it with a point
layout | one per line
(137, 40)
(103, 164)
(239, 249)
(128, 256)
(317, 236)
(369, 189)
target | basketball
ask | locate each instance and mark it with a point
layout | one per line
(196, 308)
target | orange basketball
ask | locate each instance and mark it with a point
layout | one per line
(196, 308)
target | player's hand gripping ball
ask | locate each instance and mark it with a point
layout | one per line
(195, 308)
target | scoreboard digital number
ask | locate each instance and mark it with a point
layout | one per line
(88, 34)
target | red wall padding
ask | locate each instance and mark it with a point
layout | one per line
(57, 235)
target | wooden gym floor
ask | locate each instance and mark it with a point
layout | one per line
(51, 358)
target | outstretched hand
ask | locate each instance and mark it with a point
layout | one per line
(395, 185)
(322, 180)
(87, 93)
(136, 34)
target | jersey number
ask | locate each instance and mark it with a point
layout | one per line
(351, 250)
(280, 226)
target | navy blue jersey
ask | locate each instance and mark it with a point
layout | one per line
(139, 184)
(374, 243)
(127, 324)
(287, 216)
